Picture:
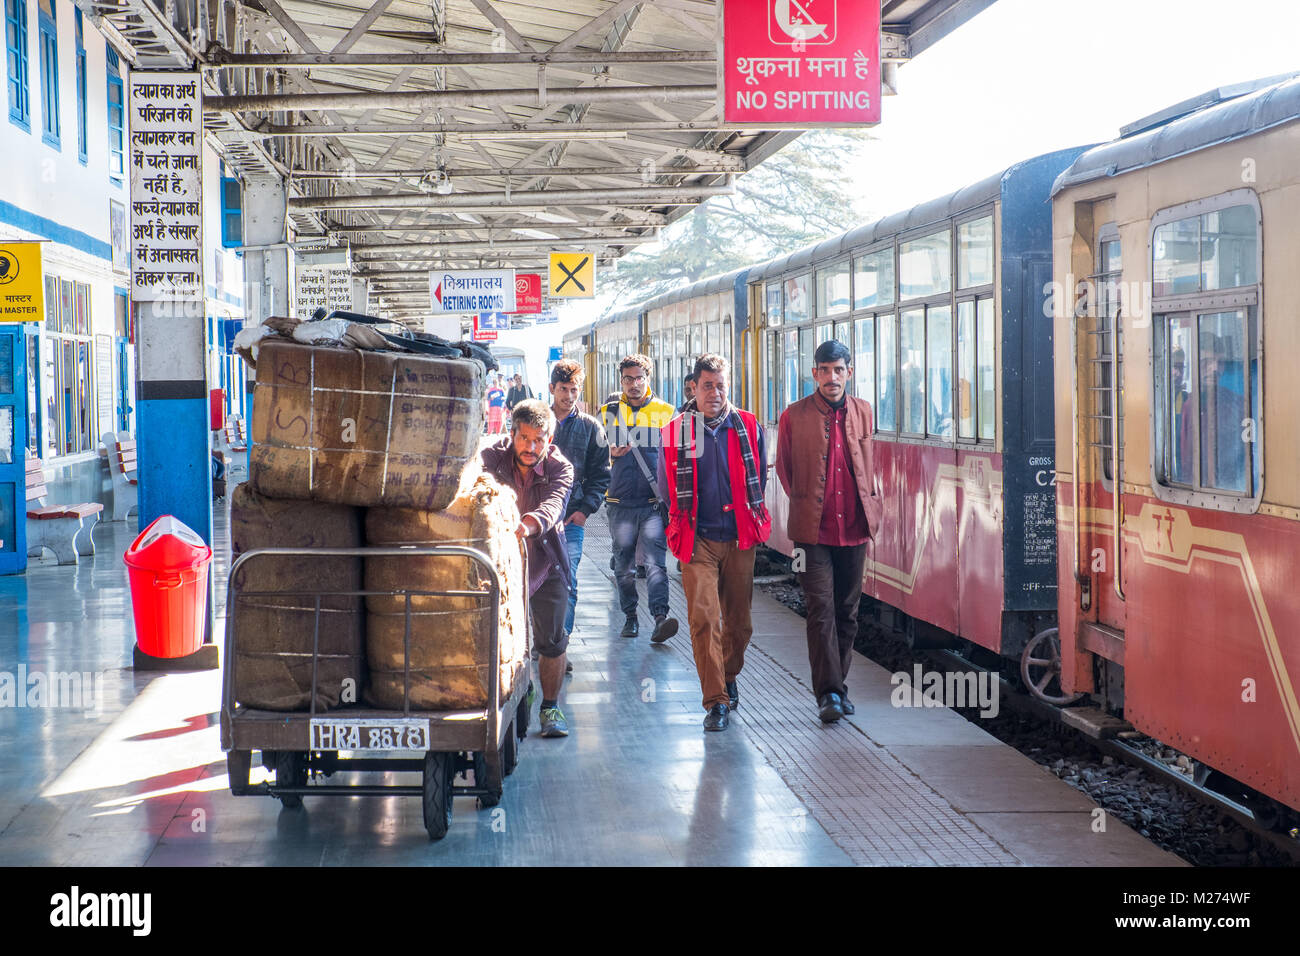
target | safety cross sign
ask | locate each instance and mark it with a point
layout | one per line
(22, 284)
(804, 63)
(573, 275)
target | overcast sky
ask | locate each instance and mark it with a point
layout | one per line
(1030, 76)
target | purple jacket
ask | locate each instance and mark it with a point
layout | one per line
(543, 499)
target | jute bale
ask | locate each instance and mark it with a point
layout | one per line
(273, 669)
(450, 636)
(363, 428)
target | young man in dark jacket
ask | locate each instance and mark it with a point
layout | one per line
(582, 441)
(518, 393)
(525, 460)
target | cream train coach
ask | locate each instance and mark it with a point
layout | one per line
(1177, 429)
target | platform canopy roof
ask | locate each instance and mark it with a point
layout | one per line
(475, 133)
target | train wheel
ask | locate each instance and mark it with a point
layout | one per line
(1040, 667)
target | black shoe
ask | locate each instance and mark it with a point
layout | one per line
(734, 693)
(630, 627)
(846, 705)
(831, 708)
(665, 627)
(568, 667)
(717, 718)
(640, 571)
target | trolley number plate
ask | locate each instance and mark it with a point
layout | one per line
(370, 734)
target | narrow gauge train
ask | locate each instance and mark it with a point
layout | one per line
(952, 310)
(1175, 249)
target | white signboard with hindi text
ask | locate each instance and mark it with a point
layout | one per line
(317, 287)
(472, 290)
(164, 155)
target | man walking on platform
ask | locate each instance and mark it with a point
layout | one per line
(823, 462)
(525, 460)
(713, 467)
(518, 393)
(582, 441)
(635, 501)
(496, 407)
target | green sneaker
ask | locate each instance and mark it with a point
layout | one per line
(553, 723)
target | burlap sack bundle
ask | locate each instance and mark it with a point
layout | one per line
(450, 636)
(363, 428)
(273, 656)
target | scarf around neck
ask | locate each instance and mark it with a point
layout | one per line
(686, 459)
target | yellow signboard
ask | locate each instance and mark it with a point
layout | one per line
(573, 275)
(22, 284)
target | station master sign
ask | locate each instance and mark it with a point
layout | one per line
(21, 282)
(573, 275)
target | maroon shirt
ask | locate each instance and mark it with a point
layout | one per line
(844, 522)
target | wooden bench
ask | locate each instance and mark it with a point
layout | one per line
(121, 465)
(64, 529)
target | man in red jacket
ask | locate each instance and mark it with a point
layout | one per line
(823, 461)
(712, 471)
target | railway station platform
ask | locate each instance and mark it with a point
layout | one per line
(138, 777)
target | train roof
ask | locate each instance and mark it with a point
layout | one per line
(709, 286)
(1220, 116)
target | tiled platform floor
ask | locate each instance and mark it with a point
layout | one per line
(140, 778)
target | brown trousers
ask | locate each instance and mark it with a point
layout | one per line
(832, 588)
(719, 586)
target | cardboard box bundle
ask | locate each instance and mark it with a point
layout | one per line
(346, 440)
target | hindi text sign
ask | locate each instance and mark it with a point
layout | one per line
(165, 154)
(804, 63)
(472, 290)
(22, 283)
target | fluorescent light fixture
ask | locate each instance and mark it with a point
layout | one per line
(544, 132)
(535, 234)
(551, 217)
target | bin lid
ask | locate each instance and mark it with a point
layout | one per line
(168, 544)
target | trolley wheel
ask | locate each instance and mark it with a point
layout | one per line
(439, 770)
(485, 777)
(1040, 668)
(523, 713)
(238, 765)
(291, 771)
(509, 752)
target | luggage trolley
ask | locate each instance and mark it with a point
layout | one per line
(438, 744)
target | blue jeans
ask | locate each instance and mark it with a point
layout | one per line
(627, 528)
(573, 534)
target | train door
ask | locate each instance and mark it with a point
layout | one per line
(1100, 444)
(13, 448)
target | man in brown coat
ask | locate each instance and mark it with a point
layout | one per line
(824, 464)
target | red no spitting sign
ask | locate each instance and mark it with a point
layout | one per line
(800, 62)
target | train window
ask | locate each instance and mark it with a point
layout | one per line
(790, 369)
(966, 369)
(797, 305)
(987, 375)
(773, 366)
(833, 289)
(774, 311)
(975, 253)
(886, 373)
(873, 279)
(1215, 250)
(844, 334)
(911, 371)
(864, 361)
(925, 266)
(1209, 397)
(1108, 354)
(939, 372)
(711, 337)
(806, 349)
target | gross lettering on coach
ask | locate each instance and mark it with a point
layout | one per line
(802, 62)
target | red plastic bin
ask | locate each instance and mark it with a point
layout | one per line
(168, 567)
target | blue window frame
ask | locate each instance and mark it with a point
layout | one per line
(232, 213)
(116, 120)
(20, 105)
(82, 154)
(49, 49)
